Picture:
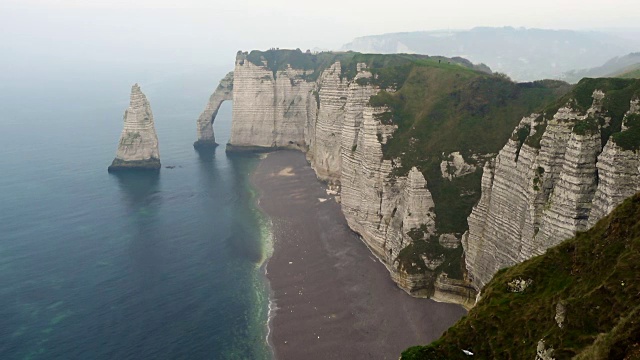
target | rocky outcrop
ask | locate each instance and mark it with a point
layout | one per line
(138, 146)
(330, 119)
(271, 109)
(326, 136)
(454, 166)
(535, 196)
(618, 170)
(223, 92)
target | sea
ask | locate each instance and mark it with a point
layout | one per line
(134, 265)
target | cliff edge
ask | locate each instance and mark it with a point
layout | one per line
(577, 301)
(561, 171)
(378, 128)
(138, 146)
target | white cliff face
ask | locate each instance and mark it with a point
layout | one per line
(324, 139)
(138, 146)
(331, 120)
(619, 174)
(223, 92)
(533, 198)
(270, 110)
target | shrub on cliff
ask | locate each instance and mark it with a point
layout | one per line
(581, 301)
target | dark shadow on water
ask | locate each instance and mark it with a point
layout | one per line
(142, 195)
(244, 242)
(209, 175)
(206, 154)
(140, 188)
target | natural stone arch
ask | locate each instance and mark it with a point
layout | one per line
(223, 92)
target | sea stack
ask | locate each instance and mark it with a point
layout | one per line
(138, 147)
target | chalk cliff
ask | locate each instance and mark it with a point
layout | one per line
(138, 146)
(271, 109)
(223, 92)
(577, 301)
(328, 116)
(555, 177)
(352, 114)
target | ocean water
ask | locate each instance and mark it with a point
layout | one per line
(133, 266)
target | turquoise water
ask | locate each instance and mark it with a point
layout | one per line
(137, 266)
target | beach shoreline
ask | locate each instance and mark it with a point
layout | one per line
(330, 297)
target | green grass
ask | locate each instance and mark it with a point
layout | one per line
(629, 139)
(596, 275)
(441, 108)
(587, 126)
(390, 69)
(619, 93)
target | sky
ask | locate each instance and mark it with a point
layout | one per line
(35, 35)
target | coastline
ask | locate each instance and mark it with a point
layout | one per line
(330, 297)
(266, 235)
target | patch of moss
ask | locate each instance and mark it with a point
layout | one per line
(410, 258)
(628, 139)
(587, 126)
(594, 274)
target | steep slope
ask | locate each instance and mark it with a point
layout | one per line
(560, 172)
(523, 54)
(578, 300)
(616, 67)
(380, 128)
(138, 146)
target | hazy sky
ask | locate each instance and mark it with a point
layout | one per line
(201, 32)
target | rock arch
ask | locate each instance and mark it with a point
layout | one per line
(223, 92)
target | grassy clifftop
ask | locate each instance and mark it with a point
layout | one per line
(392, 69)
(590, 284)
(440, 109)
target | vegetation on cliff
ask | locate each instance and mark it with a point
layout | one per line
(579, 299)
(391, 69)
(441, 108)
(619, 93)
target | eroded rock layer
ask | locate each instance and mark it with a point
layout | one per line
(537, 194)
(271, 109)
(138, 146)
(330, 119)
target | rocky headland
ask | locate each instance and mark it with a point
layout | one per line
(138, 146)
(450, 175)
(356, 118)
(560, 172)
